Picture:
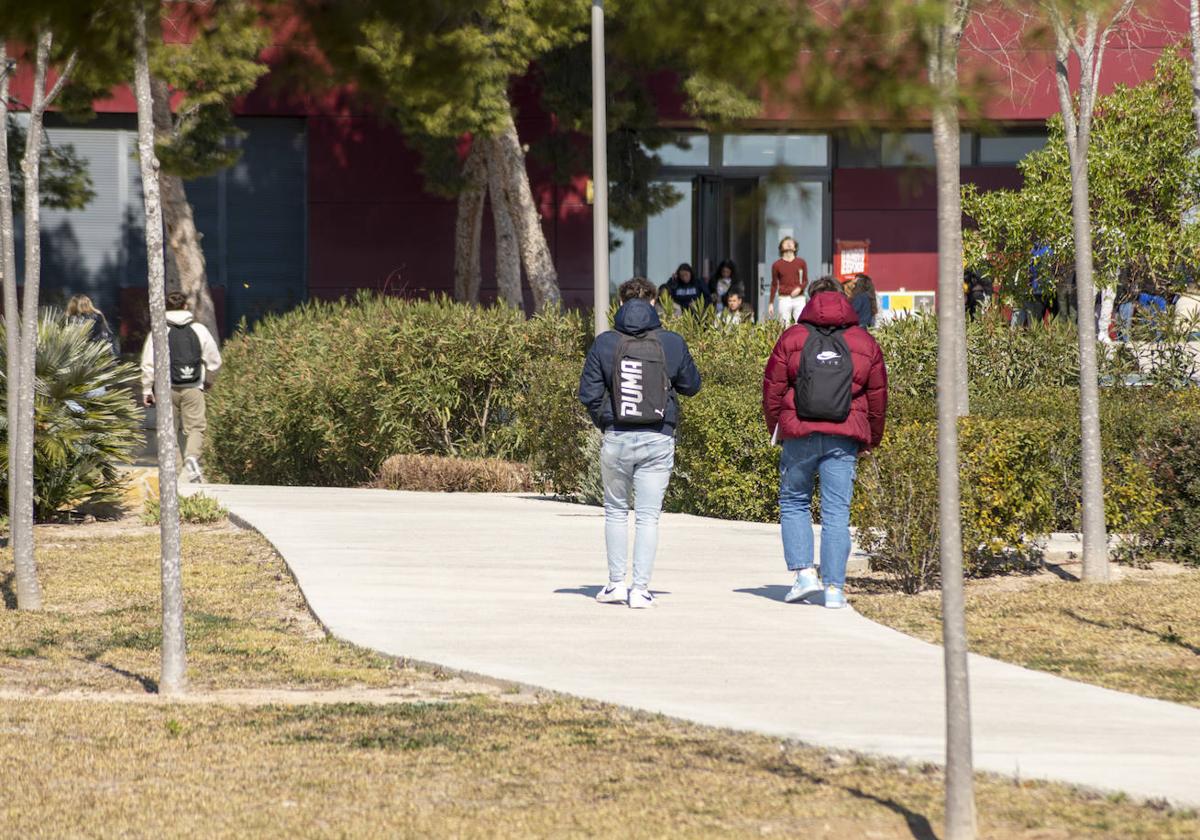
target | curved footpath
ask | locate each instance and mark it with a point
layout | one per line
(502, 586)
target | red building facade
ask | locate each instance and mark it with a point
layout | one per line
(358, 215)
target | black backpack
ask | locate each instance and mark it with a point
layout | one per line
(640, 386)
(187, 360)
(826, 376)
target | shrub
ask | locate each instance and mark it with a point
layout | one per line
(555, 426)
(1002, 361)
(322, 394)
(725, 465)
(1004, 511)
(437, 474)
(196, 509)
(86, 424)
(1172, 457)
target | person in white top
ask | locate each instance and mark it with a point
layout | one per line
(195, 359)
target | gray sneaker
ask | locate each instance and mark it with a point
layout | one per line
(192, 467)
(806, 584)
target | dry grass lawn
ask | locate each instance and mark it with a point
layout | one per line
(1140, 634)
(460, 763)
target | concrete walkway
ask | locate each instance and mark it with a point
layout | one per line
(503, 586)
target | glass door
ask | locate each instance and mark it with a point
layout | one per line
(796, 209)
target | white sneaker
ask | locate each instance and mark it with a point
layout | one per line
(192, 467)
(614, 593)
(806, 584)
(640, 599)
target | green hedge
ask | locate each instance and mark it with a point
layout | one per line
(324, 394)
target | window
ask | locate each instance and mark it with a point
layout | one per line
(775, 150)
(620, 258)
(1008, 149)
(669, 238)
(691, 151)
(915, 148)
(858, 151)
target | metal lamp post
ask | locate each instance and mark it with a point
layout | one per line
(600, 292)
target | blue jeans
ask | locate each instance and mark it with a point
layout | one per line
(637, 465)
(834, 457)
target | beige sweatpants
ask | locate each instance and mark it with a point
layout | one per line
(190, 422)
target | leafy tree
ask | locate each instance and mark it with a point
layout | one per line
(1083, 28)
(21, 419)
(1143, 178)
(174, 653)
(65, 181)
(943, 35)
(218, 64)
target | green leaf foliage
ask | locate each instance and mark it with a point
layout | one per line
(86, 424)
(1144, 179)
(211, 70)
(324, 394)
(64, 180)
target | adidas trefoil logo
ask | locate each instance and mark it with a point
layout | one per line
(187, 371)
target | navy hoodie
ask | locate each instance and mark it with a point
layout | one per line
(636, 317)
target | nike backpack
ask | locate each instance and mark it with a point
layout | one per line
(640, 387)
(826, 376)
(187, 361)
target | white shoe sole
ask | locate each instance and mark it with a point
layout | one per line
(640, 603)
(612, 598)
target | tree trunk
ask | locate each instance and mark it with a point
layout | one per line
(508, 253)
(1194, 26)
(468, 226)
(535, 253)
(943, 72)
(174, 654)
(29, 596)
(8, 268)
(1078, 134)
(182, 236)
(1107, 298)
(961, 372)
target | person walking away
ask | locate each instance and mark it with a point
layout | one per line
(862, 298)
(825, 399)
(723, 281)
(734, 309)
(81, 310)
(686, 289)
(195, 359)
(630, 382)
(789, 281)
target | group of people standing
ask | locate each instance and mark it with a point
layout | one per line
(824, 398)
(789, 292)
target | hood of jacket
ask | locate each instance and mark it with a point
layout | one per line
(829, 309)
(179, 317)
(636, 317)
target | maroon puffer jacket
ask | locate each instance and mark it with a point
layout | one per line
(868, 397)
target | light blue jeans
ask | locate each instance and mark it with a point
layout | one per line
(636, 468)
(834, 458)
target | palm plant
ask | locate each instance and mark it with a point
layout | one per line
(86, 424)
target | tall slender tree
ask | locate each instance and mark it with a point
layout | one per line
(944, 37)
(208, 71)
(8, 267)
(174, 652)
(29, 596)
(1083, 29)
(1194, 29)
